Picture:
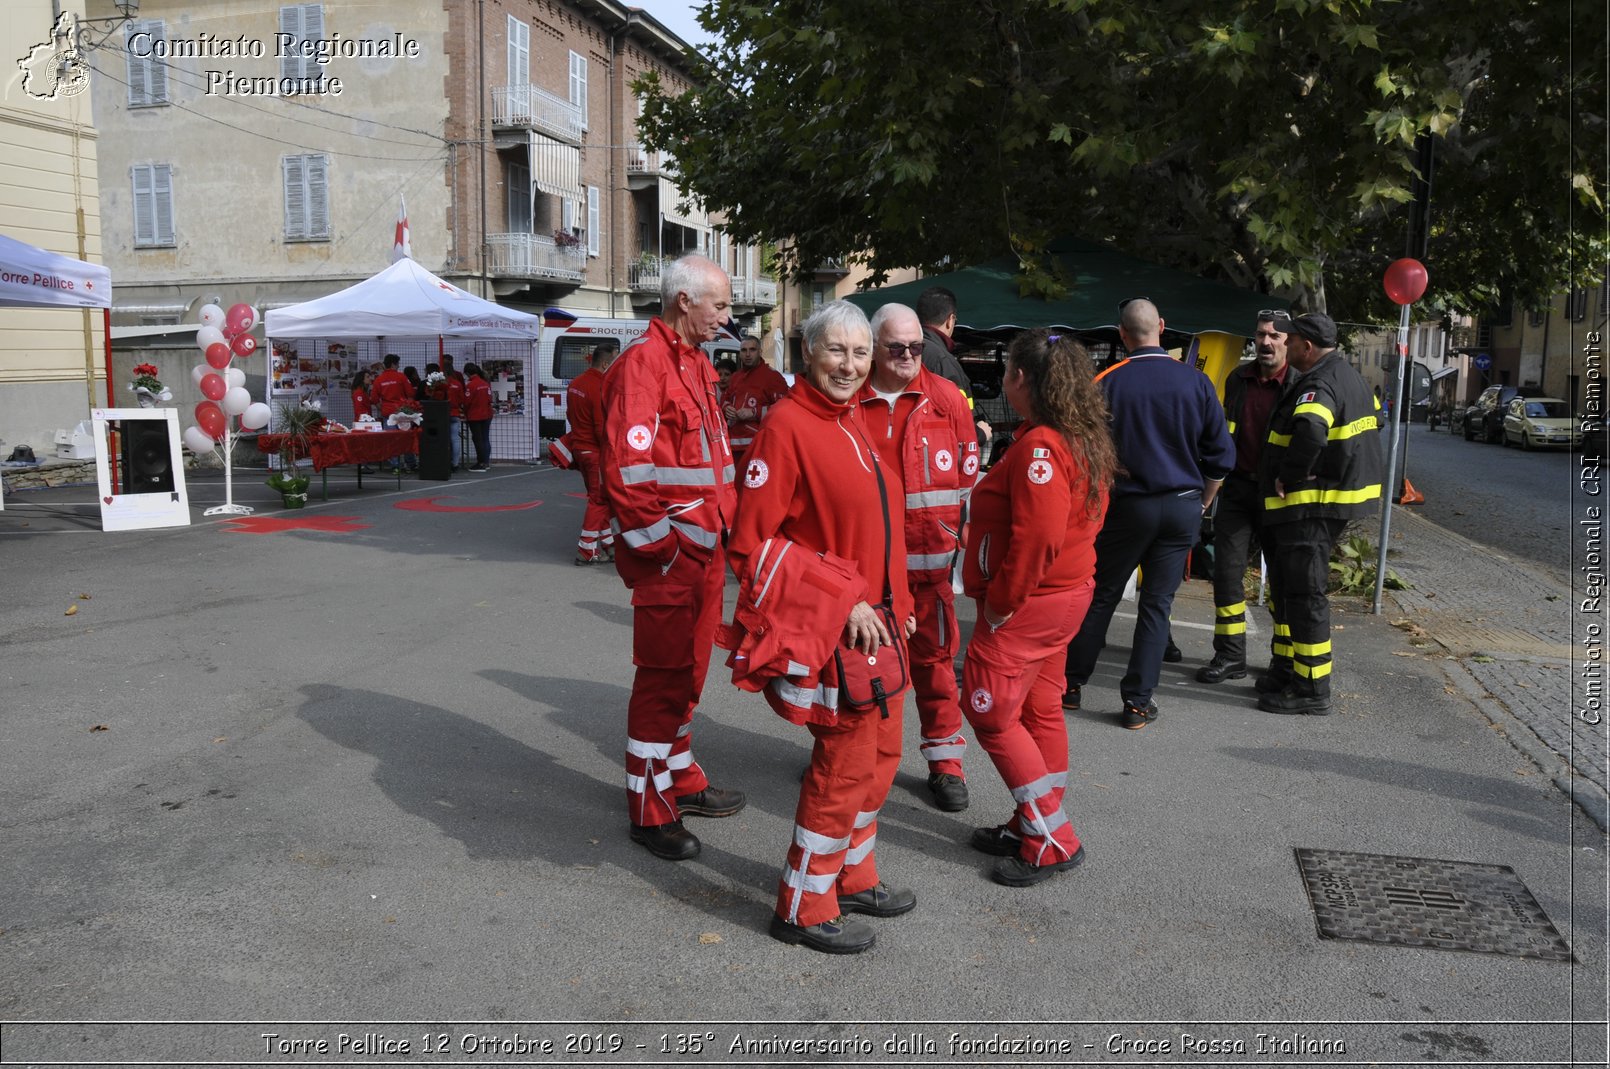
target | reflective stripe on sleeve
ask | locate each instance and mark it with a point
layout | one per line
(933, 499)
(1313, 408)
(1323, 497)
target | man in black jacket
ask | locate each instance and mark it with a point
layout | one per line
(936, 311)
(1321, 467)
(1250, 394)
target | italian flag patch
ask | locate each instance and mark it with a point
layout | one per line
(1041, 454)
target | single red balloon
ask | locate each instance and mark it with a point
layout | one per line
(244, 345)
(210, 418)
(214, 387)
(218, 355)
(1405, 281)
(239, 318)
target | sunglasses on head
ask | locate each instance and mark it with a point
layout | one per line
(1127, 301)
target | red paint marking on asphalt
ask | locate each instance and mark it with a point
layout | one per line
(581, 495)
(273, 524)
(428, 504)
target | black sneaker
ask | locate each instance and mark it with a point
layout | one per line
(711, 802)
(1219, 669)
(1138, 716)
(1070, 697)
(837, 936)
(1015, 872)
(950, 792)
(879, 901)
(1292, 703)
(999, 841)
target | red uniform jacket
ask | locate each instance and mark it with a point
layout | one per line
(477, 399)
(930, 430)
(391, 390)
(810, 478)
(1028, 529)
(758, 388)
(666, 465)
(585, 402)
(455, 397)
(360, 403)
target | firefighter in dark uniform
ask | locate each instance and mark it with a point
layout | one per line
(1320, 468)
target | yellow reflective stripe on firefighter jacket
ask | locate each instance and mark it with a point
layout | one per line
(1322, 446)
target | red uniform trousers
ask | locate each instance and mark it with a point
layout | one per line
(1014, 682)
(933, 677)
(836, 822)
(595, 521)
(674, 622)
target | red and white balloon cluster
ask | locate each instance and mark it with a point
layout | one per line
(223, 337)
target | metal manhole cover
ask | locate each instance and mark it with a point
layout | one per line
(1419, 902)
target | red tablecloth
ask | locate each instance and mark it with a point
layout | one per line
(357, 447)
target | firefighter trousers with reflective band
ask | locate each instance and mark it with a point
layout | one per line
(595, 532)
(1235, 540)
(836, 822)
(674, 620)
(933, 649)
(1298, 555)
(1013, 681)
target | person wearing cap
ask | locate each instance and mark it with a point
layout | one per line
(1320, 468)
(1174, 450)
(1250, 394)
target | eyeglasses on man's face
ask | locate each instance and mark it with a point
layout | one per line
(898, 350)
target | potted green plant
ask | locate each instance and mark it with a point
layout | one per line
(298, 424)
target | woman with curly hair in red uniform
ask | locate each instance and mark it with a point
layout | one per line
(810, 477)
(1031, 565)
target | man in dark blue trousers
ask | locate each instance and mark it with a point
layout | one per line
(1175, 449)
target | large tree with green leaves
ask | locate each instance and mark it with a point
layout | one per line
(1270, 143)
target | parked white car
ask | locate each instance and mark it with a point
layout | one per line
(1540, 422)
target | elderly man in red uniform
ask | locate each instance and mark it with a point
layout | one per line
(668, 476)
(585, 402)
(754, 388)
(924, 420)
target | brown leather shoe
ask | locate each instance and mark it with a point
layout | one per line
(671, 841)
(711, 802)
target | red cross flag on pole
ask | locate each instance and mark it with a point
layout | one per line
(400, 246)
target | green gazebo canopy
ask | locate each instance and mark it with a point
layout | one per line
(987, 296)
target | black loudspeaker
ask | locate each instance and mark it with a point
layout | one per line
(436, 441)
(147, 459)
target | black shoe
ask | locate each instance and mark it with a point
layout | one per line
(711, 802)
(1138, 716)
(837, 936)
(879, 901)
(950, 792)
(582, 562)
(999, 841)
(1273, 681)
(1219, 669)
(1290, 702)
(1070, 697)
(1015, 872)
(671, 841)
(1172, 654)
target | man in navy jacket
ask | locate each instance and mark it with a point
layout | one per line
(1174, 450)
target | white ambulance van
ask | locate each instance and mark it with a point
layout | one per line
(565, 349)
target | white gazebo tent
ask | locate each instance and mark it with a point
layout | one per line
(405, 301)
(31, 277)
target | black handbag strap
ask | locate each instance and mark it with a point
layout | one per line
(888, 531)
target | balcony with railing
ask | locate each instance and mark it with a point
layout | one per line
(754, 292)
(536, 257)
(646, 166)
(527, 107)
(643, 277)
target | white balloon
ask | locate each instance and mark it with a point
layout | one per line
(207, 337)
(235, 376)
(257, 317)
(236, 401)
(211, 316)
(255, 417)
(198, 440)
(199, 372)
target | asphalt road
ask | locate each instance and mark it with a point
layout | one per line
(1517, 502)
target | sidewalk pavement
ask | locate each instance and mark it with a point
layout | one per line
(1513, 631)
(368, 768)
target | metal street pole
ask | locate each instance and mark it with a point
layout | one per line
(1388, 487)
